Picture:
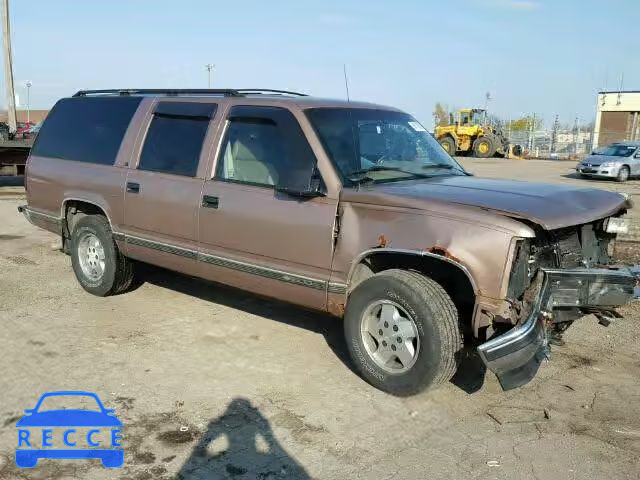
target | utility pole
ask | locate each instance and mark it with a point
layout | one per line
(487, 97)
(8, 68)
(576, 133)
(28, 84)
(554, 135)
(209, 67)
(532, 133)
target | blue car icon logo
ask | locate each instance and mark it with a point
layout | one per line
(64, 427)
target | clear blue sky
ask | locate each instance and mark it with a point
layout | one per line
(532, 55)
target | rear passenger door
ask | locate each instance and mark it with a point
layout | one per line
(163, 188)
(252, 236)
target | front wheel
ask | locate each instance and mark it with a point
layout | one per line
(484, 147)
(448, 145)
(402, 332)
(98, 264)
(623, 174)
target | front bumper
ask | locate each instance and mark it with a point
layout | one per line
(516, 355)
(608, 172)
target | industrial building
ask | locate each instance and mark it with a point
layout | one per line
(617, 117)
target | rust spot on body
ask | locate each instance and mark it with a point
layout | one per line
(336, 308)
(443, 252)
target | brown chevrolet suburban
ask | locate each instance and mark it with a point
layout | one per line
(351, 208)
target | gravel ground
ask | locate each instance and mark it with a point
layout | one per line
(215, 383)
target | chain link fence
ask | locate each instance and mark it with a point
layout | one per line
(552, 144)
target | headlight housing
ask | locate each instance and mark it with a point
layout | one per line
(520, 274)
(608, 164)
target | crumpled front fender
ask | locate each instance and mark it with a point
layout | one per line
(515, 356)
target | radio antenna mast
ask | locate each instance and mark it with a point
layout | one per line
(346, 80)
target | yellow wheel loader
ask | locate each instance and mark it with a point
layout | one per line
(469, 132)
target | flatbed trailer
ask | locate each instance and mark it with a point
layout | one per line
(13, 156)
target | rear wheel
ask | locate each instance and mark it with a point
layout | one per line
(623, 174)
(402, 332)
(448, 145)
(98, 264)
(484, 147)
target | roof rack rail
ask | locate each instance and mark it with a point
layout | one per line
(270, 90)
(161, 91)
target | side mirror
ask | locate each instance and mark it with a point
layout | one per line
(301, 182)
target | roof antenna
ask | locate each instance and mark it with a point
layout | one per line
(346, 80)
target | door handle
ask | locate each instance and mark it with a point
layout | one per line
(210, 202)
(133, 187)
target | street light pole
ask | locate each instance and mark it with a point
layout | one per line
(209, 67)
(28, 104)
(8, 68)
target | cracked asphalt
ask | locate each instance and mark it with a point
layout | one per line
(215, 383)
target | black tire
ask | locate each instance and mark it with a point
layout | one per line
(484, 147)
(118, 270)
(435, 317)
(517, 150)
(623, 174)
(448, 145)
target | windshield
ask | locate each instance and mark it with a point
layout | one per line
(615, 150)
(379, 145)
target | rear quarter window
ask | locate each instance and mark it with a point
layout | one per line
(86, 129)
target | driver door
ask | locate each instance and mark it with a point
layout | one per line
(252, 236)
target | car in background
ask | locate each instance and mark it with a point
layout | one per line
(32, 132)
(22, 128)
(618, 160)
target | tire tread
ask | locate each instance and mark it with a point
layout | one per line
(124, 268)
(448, 324)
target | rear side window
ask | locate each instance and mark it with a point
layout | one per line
(86, 129)
(175, 137)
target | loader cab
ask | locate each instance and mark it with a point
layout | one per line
(478, 116)
(466, 117)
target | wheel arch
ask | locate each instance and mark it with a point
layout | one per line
(72, 206)
(451, 135)
(452, 275)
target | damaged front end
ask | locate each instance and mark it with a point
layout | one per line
(555, 278)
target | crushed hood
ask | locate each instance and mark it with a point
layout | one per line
(550, 206)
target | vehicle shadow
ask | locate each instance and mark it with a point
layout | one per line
(251, 449)
(595, 180)
(326, 325)
(471, 370)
